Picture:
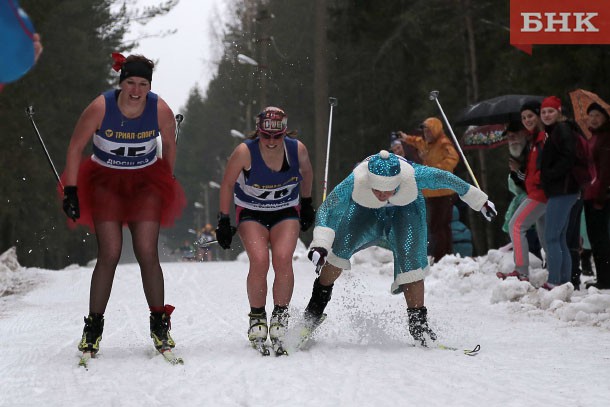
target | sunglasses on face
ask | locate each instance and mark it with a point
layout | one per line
(271, 136)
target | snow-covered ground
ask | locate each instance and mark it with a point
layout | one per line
(538, 348)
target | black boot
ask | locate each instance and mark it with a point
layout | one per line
(92, 333)
(585, 262)
(160, 325)
(418, 325)
(576, 271)
(320, 296)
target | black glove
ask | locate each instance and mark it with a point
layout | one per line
(317, 255)
(418, 325)
(70, 205)
(224, 231)
(489, 211)
(308, 214)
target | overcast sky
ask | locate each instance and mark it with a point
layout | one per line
(186, 58)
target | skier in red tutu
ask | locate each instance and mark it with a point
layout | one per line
(125, 182)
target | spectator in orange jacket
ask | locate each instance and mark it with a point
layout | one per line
(436, 150)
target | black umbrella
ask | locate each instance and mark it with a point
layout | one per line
(501, 109)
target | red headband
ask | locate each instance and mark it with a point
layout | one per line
(551, 101)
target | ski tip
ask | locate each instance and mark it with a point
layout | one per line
(84, 359)
(260, 347)
(170, 357)
(472, 352)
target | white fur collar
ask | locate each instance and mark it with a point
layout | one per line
(363, 191)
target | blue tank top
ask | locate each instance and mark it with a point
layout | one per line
(263, 189)
(127, 143)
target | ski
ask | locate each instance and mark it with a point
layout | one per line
(278, 347)
(84, 359)
(468, 352)
(170, 356)
(306, 332)
(203, 244)
(260, 346)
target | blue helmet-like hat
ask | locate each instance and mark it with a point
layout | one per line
(384, 171)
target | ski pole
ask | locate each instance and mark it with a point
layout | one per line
(30, 112)
(434, 96)
(333, 102)
(179, 119)
(203, 245)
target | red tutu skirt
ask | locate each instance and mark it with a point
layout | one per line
(128, 195)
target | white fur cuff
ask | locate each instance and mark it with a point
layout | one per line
(323, 237)
(408, 277)
(338, 262)
(475, 198)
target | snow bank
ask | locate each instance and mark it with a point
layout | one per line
(11, 278)
(454, 274)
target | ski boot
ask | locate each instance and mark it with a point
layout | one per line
(418, 326)
(278, 325)
(320, 296)
(257, 332)
(160, 325)
(92, 333)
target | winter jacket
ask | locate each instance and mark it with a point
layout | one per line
(558, 157)
(461, 235)
(440, 153)
(533, 185)
(600, 148)
(518, 176)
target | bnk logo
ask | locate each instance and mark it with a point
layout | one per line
(558, 22)
(562, 22)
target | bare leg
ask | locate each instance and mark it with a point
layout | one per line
(414, 294)
(145, 238)
(283, 238)
(255, 238)
(109, 244)
(329, 274)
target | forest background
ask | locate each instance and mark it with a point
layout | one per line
(379, 59)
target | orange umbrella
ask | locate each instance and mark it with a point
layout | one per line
(581, 99)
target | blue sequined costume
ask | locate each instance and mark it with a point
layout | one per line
(352, 218)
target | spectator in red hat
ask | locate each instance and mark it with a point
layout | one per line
(560, 187)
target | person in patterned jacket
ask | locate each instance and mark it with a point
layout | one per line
(381, 203)
(436, 150)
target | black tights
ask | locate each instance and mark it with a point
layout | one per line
(145, 236)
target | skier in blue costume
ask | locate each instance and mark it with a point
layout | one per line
(269, 178)
(381, 203)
